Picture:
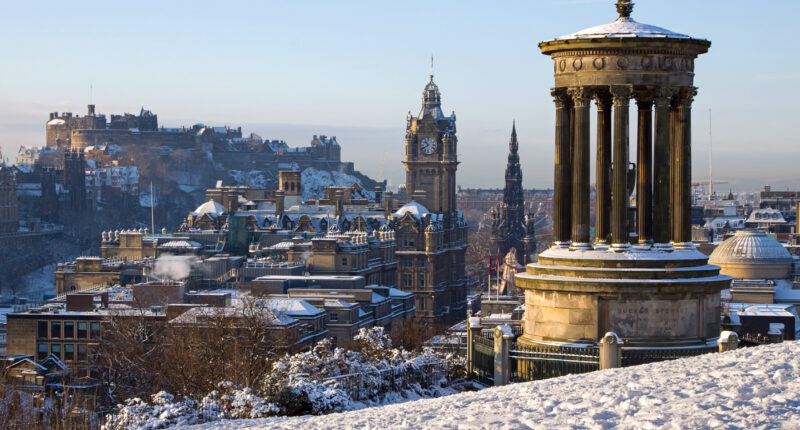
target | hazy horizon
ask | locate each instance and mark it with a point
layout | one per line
(354, 70)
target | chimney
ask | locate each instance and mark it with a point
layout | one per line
(378, 192)
(279, 202)
(387, 203)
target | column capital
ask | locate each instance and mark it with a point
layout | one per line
(581, 96)
(603, 100)
(684, 96)
(644, 98)
(662, 96)
(622, 94)
(560, 97)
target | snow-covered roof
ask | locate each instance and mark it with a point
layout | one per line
(56, 121)
(624, 27)
(210, 208)
(750, 247)
(415, 209)
(767, 216)
(182, 244)
(292, 307)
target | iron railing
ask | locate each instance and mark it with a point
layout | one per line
(530, 363)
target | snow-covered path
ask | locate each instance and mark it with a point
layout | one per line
(748, 388)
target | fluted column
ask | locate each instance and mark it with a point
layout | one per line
(644, 161)
(581, 100)
(602, 205)
(562, 181)
(682, 168)
(619, 209)
(661, 169)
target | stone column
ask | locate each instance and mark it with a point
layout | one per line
(661, 170)
(682, 168)
(644, 161)
(602, 214)
(619, 209)
(563, 169)
(581, 100)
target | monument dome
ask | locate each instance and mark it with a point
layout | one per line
(751, 254)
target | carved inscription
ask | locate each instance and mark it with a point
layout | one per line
(650, 318)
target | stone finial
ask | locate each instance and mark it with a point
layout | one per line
(624, 8)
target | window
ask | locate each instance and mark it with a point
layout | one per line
(55, 349)
(69, 352)
(334, 317)
(55, 329)
(344, 261)
(41, 351)
(95, 326)
(69, 329)
(422, 304)
(82, 352)
(421, 280)
(82, 330)
(406, 262)
(421, 262)
(41, 329)
(406, 280)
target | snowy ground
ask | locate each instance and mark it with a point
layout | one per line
(39, 282)
(748, 388)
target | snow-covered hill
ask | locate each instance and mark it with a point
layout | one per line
(748, 388)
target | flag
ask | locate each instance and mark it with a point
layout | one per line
(490, 264)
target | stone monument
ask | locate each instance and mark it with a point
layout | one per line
(640, 276)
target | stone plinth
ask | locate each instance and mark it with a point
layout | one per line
(650, 298)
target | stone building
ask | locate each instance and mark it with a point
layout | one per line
(9, 209)
(89, 272)
(761, 268)
(640, 276)
(511, 227)
(431, 233)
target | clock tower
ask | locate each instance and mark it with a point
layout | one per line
(431, 159)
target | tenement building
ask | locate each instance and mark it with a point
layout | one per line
(431, 234)
(511, 228)
(640, 276)
(9, 212)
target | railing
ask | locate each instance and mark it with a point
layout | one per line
(368, 385)
(530, 363)
(483, 359)
(633, 357)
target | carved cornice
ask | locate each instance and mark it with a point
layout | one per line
(577, 61)
(622, 95)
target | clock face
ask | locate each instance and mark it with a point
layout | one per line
(428, 145)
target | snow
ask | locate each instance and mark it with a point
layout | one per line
(624, 27)
(415, 209)
(211, 208)
(757, 387)
(314, 182)
(251, 178)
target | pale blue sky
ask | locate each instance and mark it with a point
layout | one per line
(290, 69)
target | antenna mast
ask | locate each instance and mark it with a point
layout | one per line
(152, 210)
(710, 154)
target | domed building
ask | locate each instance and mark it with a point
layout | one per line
(759, 264)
